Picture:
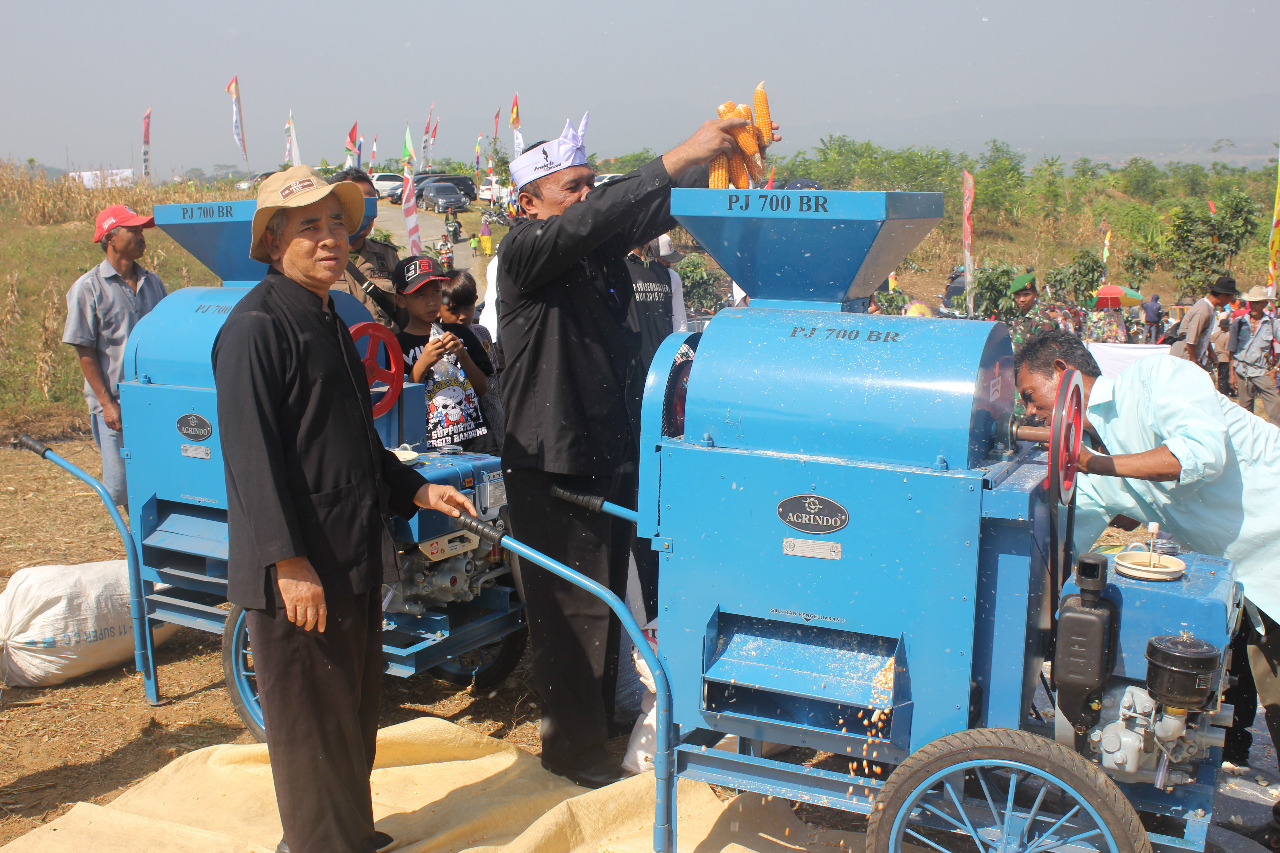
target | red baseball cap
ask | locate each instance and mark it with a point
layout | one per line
(119, 216)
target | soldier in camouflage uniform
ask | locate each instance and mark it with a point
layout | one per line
(1033, 316)
(371, 261)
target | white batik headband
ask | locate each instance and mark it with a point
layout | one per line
(568, 150)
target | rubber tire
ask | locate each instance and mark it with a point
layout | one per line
(1008, 744)
(235, 636)
(506, 654)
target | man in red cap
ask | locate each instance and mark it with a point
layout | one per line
(103, 306)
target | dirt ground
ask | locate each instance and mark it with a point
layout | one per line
(93, 737)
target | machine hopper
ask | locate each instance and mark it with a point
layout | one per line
(807, 249)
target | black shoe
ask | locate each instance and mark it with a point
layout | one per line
(1266, 834)
(380, 838)
(596, 776)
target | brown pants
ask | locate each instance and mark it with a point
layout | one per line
(320, 698)
(1262, 388)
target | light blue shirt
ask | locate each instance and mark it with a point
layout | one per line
(1223, 503)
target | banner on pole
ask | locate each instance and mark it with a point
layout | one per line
(966, 237)
(237, 127)
(1273, 245)
(291, 154)
(146, 144)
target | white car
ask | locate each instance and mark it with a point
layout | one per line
(385, 182)
(491, 190)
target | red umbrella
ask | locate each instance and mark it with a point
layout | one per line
(1114, 296)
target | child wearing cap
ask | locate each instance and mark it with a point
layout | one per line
(438, 357)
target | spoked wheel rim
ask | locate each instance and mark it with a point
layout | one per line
(242, 680)
(1000, 806)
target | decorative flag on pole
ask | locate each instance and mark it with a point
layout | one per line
(1273, 245)
(426, 131)
(1212, 209)
(490, 167)
(515, 126)
(237, 128)
(432, 142)
(1106, 245)
(496, 116)
(290, 142)
(146, 144)
(373, 154)
(966, 239)
(406, 153)
(360, 151)
(408, 202)
(769, 185)
(351, 146)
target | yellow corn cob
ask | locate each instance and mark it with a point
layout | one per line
(738, 171)
(726, 109)
(746, 139)
(719, 177)
(764, 124)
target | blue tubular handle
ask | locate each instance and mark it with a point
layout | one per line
(664, 822)
(136, 609)
(595, 504)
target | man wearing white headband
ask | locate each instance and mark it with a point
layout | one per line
(564, 290)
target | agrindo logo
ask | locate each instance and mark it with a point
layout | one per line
(812, 514)
(194, 427)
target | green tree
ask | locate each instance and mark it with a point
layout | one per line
(999, 180)
(1143, 180)
(701, 282)
(625, 163)
(991, 291)
(1077, 281)
(1202, 246)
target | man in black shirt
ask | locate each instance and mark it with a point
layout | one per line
(564, 290)
(309, 491)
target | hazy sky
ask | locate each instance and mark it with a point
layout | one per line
(81, 75)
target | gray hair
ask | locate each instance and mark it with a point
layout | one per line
(106, 238)
(275, 225)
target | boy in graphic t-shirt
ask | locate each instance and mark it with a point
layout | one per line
(439, 358)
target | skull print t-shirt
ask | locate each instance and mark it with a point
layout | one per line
(453, 408)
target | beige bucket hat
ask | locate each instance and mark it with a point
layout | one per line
(299, 186)
(1258, 293)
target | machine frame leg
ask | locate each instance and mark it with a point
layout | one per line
(143, 644)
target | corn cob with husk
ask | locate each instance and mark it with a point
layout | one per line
(764, 124)
(738, 172)
(718, 179)
(746, 139)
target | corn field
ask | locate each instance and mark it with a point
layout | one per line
(38, 200)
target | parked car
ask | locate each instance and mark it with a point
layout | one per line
(491, 190)
(385, 182)
(253, 180)
(464, 184)
(440, 196)
(394, 194)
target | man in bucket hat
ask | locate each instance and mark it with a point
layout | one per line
(310, 489)
(103, 306)
(1253, 346)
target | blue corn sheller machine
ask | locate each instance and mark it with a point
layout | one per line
(455, 611)
(860, 557)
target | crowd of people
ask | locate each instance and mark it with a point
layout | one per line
(1230, 335)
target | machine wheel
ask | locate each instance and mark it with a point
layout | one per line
(1002, 790)
(237, 670)
(485, 666)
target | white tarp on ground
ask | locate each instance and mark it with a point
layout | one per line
(436, 788)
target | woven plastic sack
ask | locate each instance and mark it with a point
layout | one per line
(60, 622)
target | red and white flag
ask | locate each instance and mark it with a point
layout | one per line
(409, 205)
(352, 143)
